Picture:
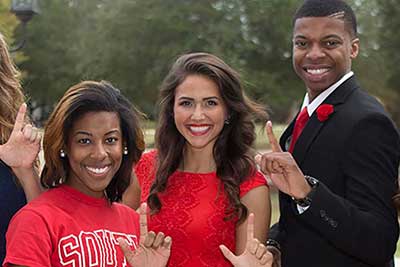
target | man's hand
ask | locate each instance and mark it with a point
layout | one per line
(153, 251)
(282, 168)
(255, 254)
(22, 148)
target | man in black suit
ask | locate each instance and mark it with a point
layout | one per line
(337, 182)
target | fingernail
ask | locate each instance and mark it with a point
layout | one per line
(269, 123)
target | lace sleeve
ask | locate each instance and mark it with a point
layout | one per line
(145, 171)
(258, 179)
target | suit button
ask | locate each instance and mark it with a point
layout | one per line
(322, 213)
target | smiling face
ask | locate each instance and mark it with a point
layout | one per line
(199, 112)
(94, 152)
(322, 51)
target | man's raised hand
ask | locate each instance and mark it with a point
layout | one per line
(282, 168)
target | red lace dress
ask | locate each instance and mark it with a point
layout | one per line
(192, 213)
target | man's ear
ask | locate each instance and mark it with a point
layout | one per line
(355, 48)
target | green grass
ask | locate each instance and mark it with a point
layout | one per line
(261, 142)
(274, 206)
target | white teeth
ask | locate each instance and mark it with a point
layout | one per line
(199, 129)
(317, 71)
(97, 170)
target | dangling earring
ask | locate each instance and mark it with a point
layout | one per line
(125, 151)
(62, 153)
(227, 120)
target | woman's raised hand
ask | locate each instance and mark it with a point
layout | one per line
(255, 254)
(153, 250)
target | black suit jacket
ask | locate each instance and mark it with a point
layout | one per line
(355, 155)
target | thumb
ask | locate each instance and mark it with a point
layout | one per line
(258, 159)
(228, 254)
(125, 248)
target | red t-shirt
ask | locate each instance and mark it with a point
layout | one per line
(193, 214)
(64, 227)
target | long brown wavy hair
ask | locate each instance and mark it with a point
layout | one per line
(11, 96)
(232, 151)
(89, 96)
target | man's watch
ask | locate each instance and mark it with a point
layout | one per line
(306, 201)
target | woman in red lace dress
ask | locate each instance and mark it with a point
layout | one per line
(201, 182)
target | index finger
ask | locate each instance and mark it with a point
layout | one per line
(20, 119)
(271, 137)
(250, 228)
(143, 221)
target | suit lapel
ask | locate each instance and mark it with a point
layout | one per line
(314, 126)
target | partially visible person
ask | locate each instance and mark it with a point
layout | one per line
(337, 164)
(19, 145)
(201, 182)
(91, 141)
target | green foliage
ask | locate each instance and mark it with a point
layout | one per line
(132, 43)
(8, 22)
(390, 43)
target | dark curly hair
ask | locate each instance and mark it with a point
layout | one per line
(89, 96)
(232, 151)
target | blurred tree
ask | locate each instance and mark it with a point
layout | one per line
(268, 56)
(371, 64)
(142, 39)
(8, 25)
(52, 59)
(8, 21)
(132, 43)
(389, 45)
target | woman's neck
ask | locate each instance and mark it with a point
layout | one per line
(198, 160)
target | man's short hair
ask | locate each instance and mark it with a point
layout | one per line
(329, 8)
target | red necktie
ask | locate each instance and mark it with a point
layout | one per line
(301, 121)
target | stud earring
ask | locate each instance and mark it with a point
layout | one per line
(227, 121)
(125, 151)
(62, 153)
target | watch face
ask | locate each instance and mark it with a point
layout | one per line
(311, 180)
(305, 202)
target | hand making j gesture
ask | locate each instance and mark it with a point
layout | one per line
(282, 168)
(23, 145)
(153, 250)
(255, 254)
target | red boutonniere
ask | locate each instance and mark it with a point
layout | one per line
(324, 111)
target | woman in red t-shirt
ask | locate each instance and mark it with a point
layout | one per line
(201, 182)
(90, 142)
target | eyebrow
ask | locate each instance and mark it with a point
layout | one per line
(191, 98)
(89, 134)
(325, 37)
(332, 36)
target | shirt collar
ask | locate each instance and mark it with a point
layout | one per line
(311, 107)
